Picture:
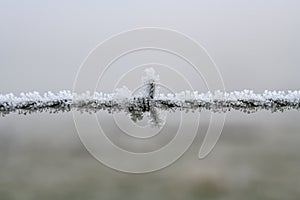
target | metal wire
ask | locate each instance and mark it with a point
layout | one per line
(149, 102)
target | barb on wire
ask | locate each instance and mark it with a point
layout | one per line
(149, 101)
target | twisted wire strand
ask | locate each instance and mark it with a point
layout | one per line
(246, 101)
(149, 101)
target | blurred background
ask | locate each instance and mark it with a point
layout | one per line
(256, 46)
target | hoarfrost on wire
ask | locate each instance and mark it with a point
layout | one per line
(150, 101)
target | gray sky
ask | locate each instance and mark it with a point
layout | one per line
(254, 43)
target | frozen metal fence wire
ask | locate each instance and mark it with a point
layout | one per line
(149, 101)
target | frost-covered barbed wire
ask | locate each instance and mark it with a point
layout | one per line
(149, 101)
(246, 101)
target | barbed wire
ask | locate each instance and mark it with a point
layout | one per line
(149, 101)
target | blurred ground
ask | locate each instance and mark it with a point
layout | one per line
(46, 160)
